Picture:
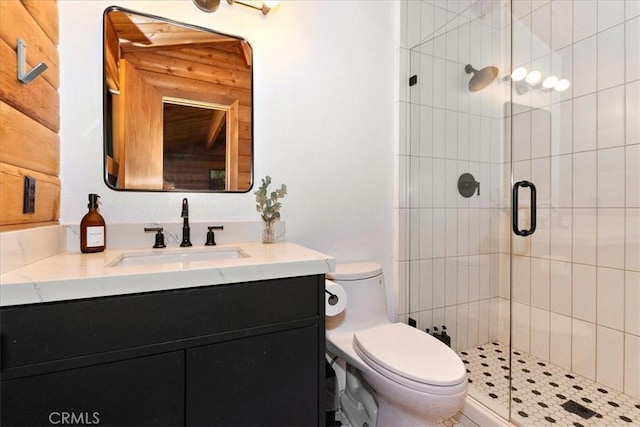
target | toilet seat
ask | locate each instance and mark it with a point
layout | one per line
(394, 350)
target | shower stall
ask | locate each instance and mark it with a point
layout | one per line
(522, 230)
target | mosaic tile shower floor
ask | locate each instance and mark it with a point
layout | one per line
(543, 394)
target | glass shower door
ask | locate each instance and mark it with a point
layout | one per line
(540, 298)
(574, 281)
(459, 163)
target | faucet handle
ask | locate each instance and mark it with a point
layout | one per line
(211, 237)
(185, 208)
(159, 236)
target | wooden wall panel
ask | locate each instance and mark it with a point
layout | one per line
(45, 13)
(231, 167)
(116, 134)
(38, 99)
(26, 143)
(158, 63)
(47, 196)
(244, 163)
(172, 86)
(29, 114)
(16, 21)
(245, 179)
(222, 59)
(141, 161)
(112, 56)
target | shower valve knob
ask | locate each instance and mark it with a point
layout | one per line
(467, 185)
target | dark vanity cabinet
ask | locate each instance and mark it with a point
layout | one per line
(238, 354)
(142, 391)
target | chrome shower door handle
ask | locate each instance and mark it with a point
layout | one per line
(514, 207)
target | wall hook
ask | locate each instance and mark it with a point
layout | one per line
(23, 76)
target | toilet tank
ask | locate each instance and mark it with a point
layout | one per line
(366, 298)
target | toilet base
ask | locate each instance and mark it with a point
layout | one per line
(406, 409)
(356, 401)
(364, 407)
(391, 415)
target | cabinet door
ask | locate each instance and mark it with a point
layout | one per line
(270, 379)
(138, 392)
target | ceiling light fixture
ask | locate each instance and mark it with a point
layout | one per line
(210, 6)
(265, 8)
(207, 5)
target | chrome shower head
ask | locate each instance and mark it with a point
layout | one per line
(482, 78)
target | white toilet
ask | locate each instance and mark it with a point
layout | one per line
(396, 375)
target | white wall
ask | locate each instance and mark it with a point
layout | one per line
(323, 111)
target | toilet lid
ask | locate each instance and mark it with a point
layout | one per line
(355, 271)
(410, 353)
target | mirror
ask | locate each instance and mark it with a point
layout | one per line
(178, 112)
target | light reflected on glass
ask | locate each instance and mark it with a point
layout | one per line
(562, 85)
(533, 77)
(519, 74)
(550, 82)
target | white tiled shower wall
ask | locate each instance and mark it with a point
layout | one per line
(454, 246)
(576, 281)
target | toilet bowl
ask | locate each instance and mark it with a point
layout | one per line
(396, 375)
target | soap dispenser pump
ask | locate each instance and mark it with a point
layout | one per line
(93, 232)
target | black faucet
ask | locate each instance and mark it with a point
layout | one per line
(159, 236)
(186, 237)
(211, 237)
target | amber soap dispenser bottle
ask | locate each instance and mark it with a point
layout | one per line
(93, 232)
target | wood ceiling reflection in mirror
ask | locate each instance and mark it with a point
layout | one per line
(151, 62)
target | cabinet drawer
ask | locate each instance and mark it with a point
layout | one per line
(47, 332)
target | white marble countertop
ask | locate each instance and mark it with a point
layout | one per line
(73, 275)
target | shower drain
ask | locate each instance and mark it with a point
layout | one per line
(576, 408)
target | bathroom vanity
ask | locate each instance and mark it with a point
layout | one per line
(229, 351)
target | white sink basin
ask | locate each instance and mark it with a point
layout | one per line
(183, 255)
